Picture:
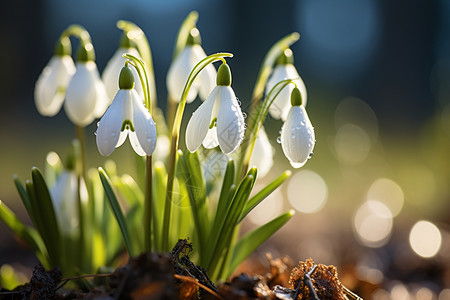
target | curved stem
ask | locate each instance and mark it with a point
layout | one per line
(261, 115)
(77, 31)
(174, 143)
(136, 34)
(139, 65)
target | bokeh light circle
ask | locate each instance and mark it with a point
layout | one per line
(388, 192)
(307, 192)
(372, 223)
(268, 209)
(425, 239)
(351, 143)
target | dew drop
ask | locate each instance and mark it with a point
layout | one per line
(95, 133)
(310, 155)
(98, 123)
(279, 140)
(149, 140)
(244, 115)
(292, 136)
(302, 123)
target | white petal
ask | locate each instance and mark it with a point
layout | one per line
(262, 156)
(110, 76)
(198, 125)
(207, 76)
(211, 140)
(122, 137)
(178, 74)
(144, 125)
(135, 143)
(81, 95)
(297, 136)
(108, 130)
(52, 83)
(280, 107)
(230, 121)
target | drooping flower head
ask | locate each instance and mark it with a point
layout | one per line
(110, 75)
(285, 70)
(218, 120)
(86, 97)
(51, 85)
(297, 132)
(126, 116)
(181, 68)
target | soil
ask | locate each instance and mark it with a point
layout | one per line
(174, 276)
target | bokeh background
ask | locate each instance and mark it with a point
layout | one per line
(374, 200)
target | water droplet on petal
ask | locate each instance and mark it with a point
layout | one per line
(149, 140)
(244, 115)
(279, 140)
(95, 133)
(98, 123)
(302, 123)
(310, 155)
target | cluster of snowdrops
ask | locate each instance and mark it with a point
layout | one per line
(84, 219)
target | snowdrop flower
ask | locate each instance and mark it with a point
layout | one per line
(126, 116)
(218, 120)
(86, 97)
(182, 66)
(65, 201)
(297, 133)
(110, 75)
(262, 155)
(282, 71)
(52, 83)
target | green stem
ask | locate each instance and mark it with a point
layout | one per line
(261, 115)
(148, 204)
(77, 31)
(174, 144)
(140, 67)
(136, 34)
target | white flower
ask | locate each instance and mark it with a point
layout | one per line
(65, 201)
(285, 70)
(110, 76)
(181, 68)
(86, 97)
(126, 116)
(297, 134)
(52, 83)
(262, 155)
(218, 120)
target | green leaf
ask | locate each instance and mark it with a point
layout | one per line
(114, 204)
(53, 168)
(159, 194)
(193, 180)
(25, 199)
(252, 240)
(224, 235)
(42, 206)
(183, 33)
(261, 195)
(28, 234)
(269, 61)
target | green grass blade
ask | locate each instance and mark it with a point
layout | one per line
(42, 206)
(225, 232)
(28, 234)
(159, 194)
(114, 204)
(261, 195)
(252, 240)
(24, 196)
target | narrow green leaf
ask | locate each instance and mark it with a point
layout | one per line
(252, 240)
(261, 195)
(42, 206)
(223, 237)
(268, 62)
(28, 234)
(53, 167)
(183, 33)
(114, 204)
(159, 194)
(25, 199)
